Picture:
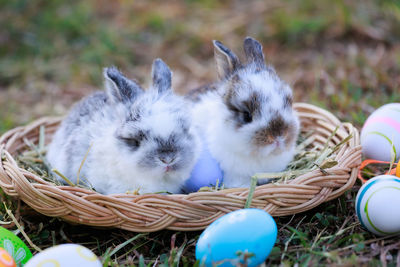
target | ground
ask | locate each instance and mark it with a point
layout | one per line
(341, 55)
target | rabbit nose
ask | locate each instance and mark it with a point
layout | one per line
(280, 142)
(263, 137)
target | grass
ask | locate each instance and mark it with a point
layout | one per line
(341, 55)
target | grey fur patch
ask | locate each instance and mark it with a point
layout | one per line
(83, 111)
(243, 112)
(253, 104)
(195, 94)
(184, 125)
(253, 51)
(277, 127)
(227, 62)
(74, 128)
(70, 153)
(287, 102)
(166, 146)
(134, 115)
(161, 75)
(174, 148)
(122, 89)
(133, 142)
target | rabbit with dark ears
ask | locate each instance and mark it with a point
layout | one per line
(134, 139)
(247, 117)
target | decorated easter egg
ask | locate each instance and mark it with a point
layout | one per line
(14, 246)
(206, 172)
(243, 234)
(377, 205)
(5, 259)
(380, 135)
(65, 255)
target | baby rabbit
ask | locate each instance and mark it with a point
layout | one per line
(133, 139)
(247, 117)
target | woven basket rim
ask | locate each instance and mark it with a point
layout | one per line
(194, 211)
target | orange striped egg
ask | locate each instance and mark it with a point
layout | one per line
(380, 135)
(6, 260)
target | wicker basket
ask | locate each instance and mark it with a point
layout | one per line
(195, 211)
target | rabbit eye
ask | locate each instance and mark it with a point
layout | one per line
(247, 117)
(132, 142)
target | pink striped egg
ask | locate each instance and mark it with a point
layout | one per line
(380, 135)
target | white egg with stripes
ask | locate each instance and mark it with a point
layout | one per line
(378, 205)
(380, 135)
(65, 255)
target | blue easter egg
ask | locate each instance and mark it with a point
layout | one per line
(248, 230)
(206, 172)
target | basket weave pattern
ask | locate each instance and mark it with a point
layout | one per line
(195, 211)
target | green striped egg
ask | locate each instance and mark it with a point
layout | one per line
(378, 205)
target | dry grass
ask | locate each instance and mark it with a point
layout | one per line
(307, 159)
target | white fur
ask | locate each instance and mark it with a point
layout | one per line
(239, 158)
(130, 175)
(111, 166)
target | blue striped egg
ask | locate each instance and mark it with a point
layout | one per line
(378, 205)
(380, 135)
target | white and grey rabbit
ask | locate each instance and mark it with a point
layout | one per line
(135, 139)
(247, 117)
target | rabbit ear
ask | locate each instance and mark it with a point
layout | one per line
(225, 59)
(161, 75)
(119, 88)
(253, 51)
